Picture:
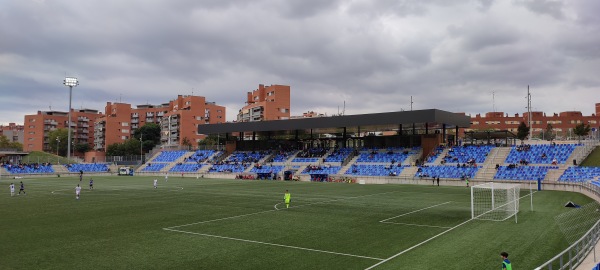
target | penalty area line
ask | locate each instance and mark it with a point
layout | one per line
(273, 244)
(418, 210)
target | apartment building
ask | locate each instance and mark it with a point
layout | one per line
(38, 126)
(178, 120)
(13, 132)
(562, 123)
(266, 103)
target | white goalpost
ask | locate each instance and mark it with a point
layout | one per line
(495, 201)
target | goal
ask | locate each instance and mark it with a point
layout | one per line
(495, 201)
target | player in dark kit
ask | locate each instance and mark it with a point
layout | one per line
(91, 183)
(22, 189)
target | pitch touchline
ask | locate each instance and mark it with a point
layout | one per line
(418, 210)
(266, 211)
(273, 244)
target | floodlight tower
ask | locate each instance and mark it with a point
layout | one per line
(70, 82)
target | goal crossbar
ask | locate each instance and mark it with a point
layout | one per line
(495, 201)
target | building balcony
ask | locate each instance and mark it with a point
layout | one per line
(149, 114)
(135, 121)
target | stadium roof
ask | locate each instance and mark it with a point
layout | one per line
(432, 118)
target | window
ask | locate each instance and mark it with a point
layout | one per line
(31, 126)
(125, 131)
(32, 132)
(592, 121)
(124, 124)
(198, 117)
(32, 120)
(475, 123)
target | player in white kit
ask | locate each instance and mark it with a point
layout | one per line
(12, 189)
(155, 183)
(166, 177)
(77, 192)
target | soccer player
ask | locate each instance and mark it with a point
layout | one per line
(506, 265)
(12, 189)
(287, 198)
(22, 189)
(80, 175)
(166, 177)
(77, 191)
(91, 183)
(155, 183)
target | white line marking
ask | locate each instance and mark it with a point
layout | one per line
(418, 210)
(417, 245)
(433, 237)
(266, 211)
(273, 244)
(418, 225)
(276, 206)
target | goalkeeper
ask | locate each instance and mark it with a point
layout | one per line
(287, 198)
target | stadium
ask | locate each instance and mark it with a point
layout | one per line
(395, 190)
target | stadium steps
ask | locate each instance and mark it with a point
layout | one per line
(440, 157)
(205, 168)
(113, 168)
(327, 153)
(496, 156)
(409, 172)
(410, 160)
(553, 175)
(179, 160)
(347, 166)
(60, 169)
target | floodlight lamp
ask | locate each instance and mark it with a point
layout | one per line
(69, 81)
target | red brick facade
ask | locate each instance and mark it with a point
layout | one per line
(562, 123)
(266, 103)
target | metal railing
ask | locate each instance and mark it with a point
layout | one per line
(571, 257)
(574, 255)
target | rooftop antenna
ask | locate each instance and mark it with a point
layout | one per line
(494, 100)
(411, 103)
(50, 106)
(120, 96)
(344, 109)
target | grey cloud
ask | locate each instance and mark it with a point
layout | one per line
(373, 54)
(553, 8)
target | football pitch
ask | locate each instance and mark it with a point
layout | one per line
(189, 223)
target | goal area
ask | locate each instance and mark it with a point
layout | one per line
(495, 201)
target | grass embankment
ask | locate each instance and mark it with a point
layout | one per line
(593, 159)
(43, 157)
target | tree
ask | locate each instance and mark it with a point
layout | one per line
(209, 140)
(582, 130)
(5, 143)
(547, 134)
(82, 147)
(130, 147)
(186, 142)
(150, 136)
(61, 134)
(522, 131)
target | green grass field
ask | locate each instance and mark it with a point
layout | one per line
(593, 159)
(188, 223)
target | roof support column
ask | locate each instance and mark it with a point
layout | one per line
(456, 137)
(426, 128)
(444, 133)
(344, 138)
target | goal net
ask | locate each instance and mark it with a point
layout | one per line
(494, 201)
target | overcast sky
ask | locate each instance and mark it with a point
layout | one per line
(454, 55)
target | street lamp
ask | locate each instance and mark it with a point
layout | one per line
(141, 145)
(57, 143)
(70, 82)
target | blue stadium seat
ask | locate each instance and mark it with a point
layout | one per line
(374, 170)
(169, 156)
(87, 167)
(541, 154)
(154, 167)
(523, 172)
(579, 174)
(447, 171)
